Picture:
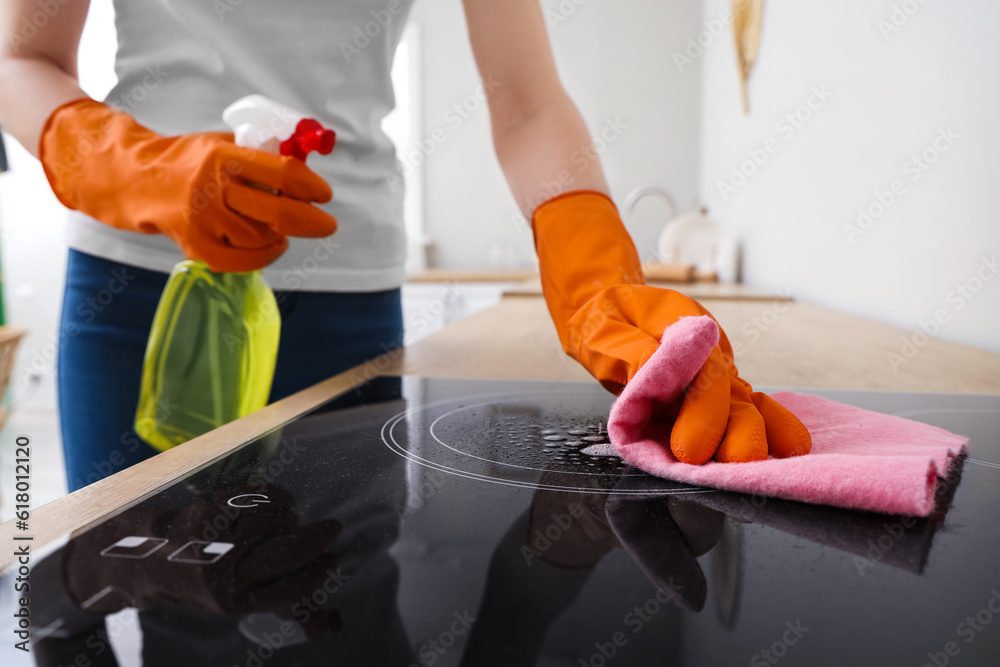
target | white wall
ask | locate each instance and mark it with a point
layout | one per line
(891, 91)
(32, 240)
(615, 60)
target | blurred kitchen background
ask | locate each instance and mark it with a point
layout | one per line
(865, 178)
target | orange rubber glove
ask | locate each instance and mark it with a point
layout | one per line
(227, 206)
(611, 322)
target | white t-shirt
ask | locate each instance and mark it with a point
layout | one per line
(181, 62)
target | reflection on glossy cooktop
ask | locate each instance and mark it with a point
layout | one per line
(422, 521)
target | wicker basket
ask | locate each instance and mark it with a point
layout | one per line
(10, 337)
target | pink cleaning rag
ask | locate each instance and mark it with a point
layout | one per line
(859, 459)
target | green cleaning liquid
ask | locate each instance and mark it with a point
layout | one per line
(211, 354)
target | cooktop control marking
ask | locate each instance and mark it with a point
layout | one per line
(201, 553)
(240, 502)
(134, 547)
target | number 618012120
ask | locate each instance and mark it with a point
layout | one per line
(22, 477)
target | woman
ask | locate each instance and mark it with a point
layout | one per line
(133, 168)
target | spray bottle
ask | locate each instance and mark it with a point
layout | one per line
(214, 341)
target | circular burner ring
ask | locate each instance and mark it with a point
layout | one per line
(390, 439)
(909, 414)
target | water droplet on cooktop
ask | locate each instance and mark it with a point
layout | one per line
(549, 431)
(573, 443)
(579, 431)
(594, 438)
(600, 450)
(554, 438)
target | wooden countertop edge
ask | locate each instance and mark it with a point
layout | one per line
(699, 290)
(119, 491)
(472, 276)
(671, 273)
(518, 292)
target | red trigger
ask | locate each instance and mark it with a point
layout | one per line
(309, 136)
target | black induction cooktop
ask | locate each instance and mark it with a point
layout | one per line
(418, 521)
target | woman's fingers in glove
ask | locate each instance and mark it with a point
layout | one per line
(230, 243)
(233, 230)
(287, 175)
(746, 438)
(223, 257)
(704, 413)
(241, 261)
(284, 215)
(722, 418)
(786, 434)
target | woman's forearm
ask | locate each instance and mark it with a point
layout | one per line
(37, 68)
(30, 90)
(546, 152)
(540, 139)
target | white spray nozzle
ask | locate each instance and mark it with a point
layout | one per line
(266, 125)
(261, 123)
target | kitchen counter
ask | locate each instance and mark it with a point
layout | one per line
(472, 276)
(779, 343)
(698, 290)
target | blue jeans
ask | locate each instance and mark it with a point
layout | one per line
(107, 314)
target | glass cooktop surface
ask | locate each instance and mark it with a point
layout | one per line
(419, 521)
